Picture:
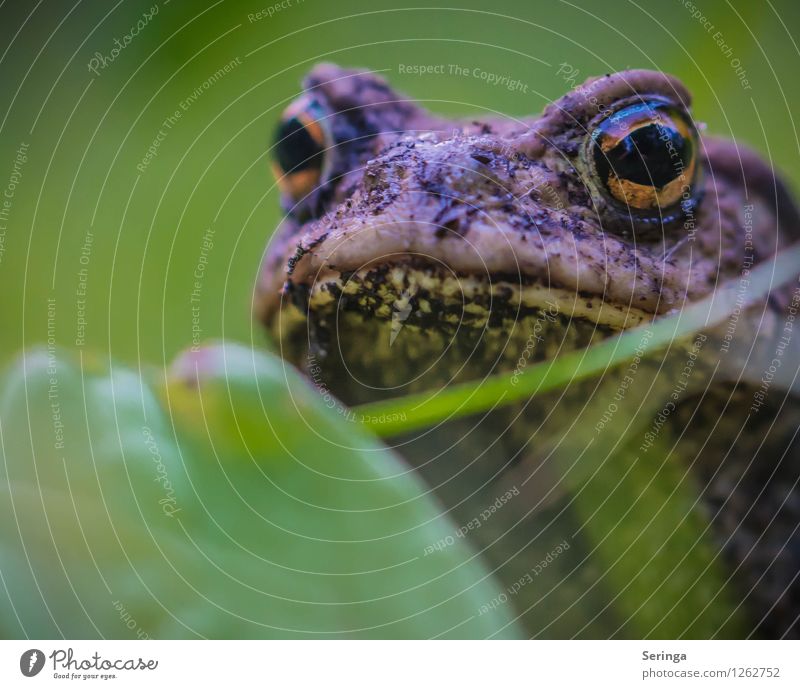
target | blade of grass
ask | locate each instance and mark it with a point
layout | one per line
(392, 417)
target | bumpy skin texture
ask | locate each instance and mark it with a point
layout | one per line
(472, 235)
(506, 197)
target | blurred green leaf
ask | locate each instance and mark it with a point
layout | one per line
(242, 509)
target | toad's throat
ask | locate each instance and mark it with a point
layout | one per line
(389, 330)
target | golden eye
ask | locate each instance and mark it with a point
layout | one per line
(645, 155)
(300, 143)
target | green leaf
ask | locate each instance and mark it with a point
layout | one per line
(225, 500)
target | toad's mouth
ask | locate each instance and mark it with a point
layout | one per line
(375, 267)
(406, 326)
(443, 298)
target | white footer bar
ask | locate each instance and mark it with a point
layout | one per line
(387, 664)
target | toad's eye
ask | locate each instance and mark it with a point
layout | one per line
(644, 155)
(300, 143)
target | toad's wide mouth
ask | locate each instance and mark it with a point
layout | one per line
(398, 327)
(431, 295)
(592, 276)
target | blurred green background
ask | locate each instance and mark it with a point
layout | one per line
(86, 133)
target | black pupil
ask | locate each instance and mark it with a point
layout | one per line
(295, 148)
(652, 155)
